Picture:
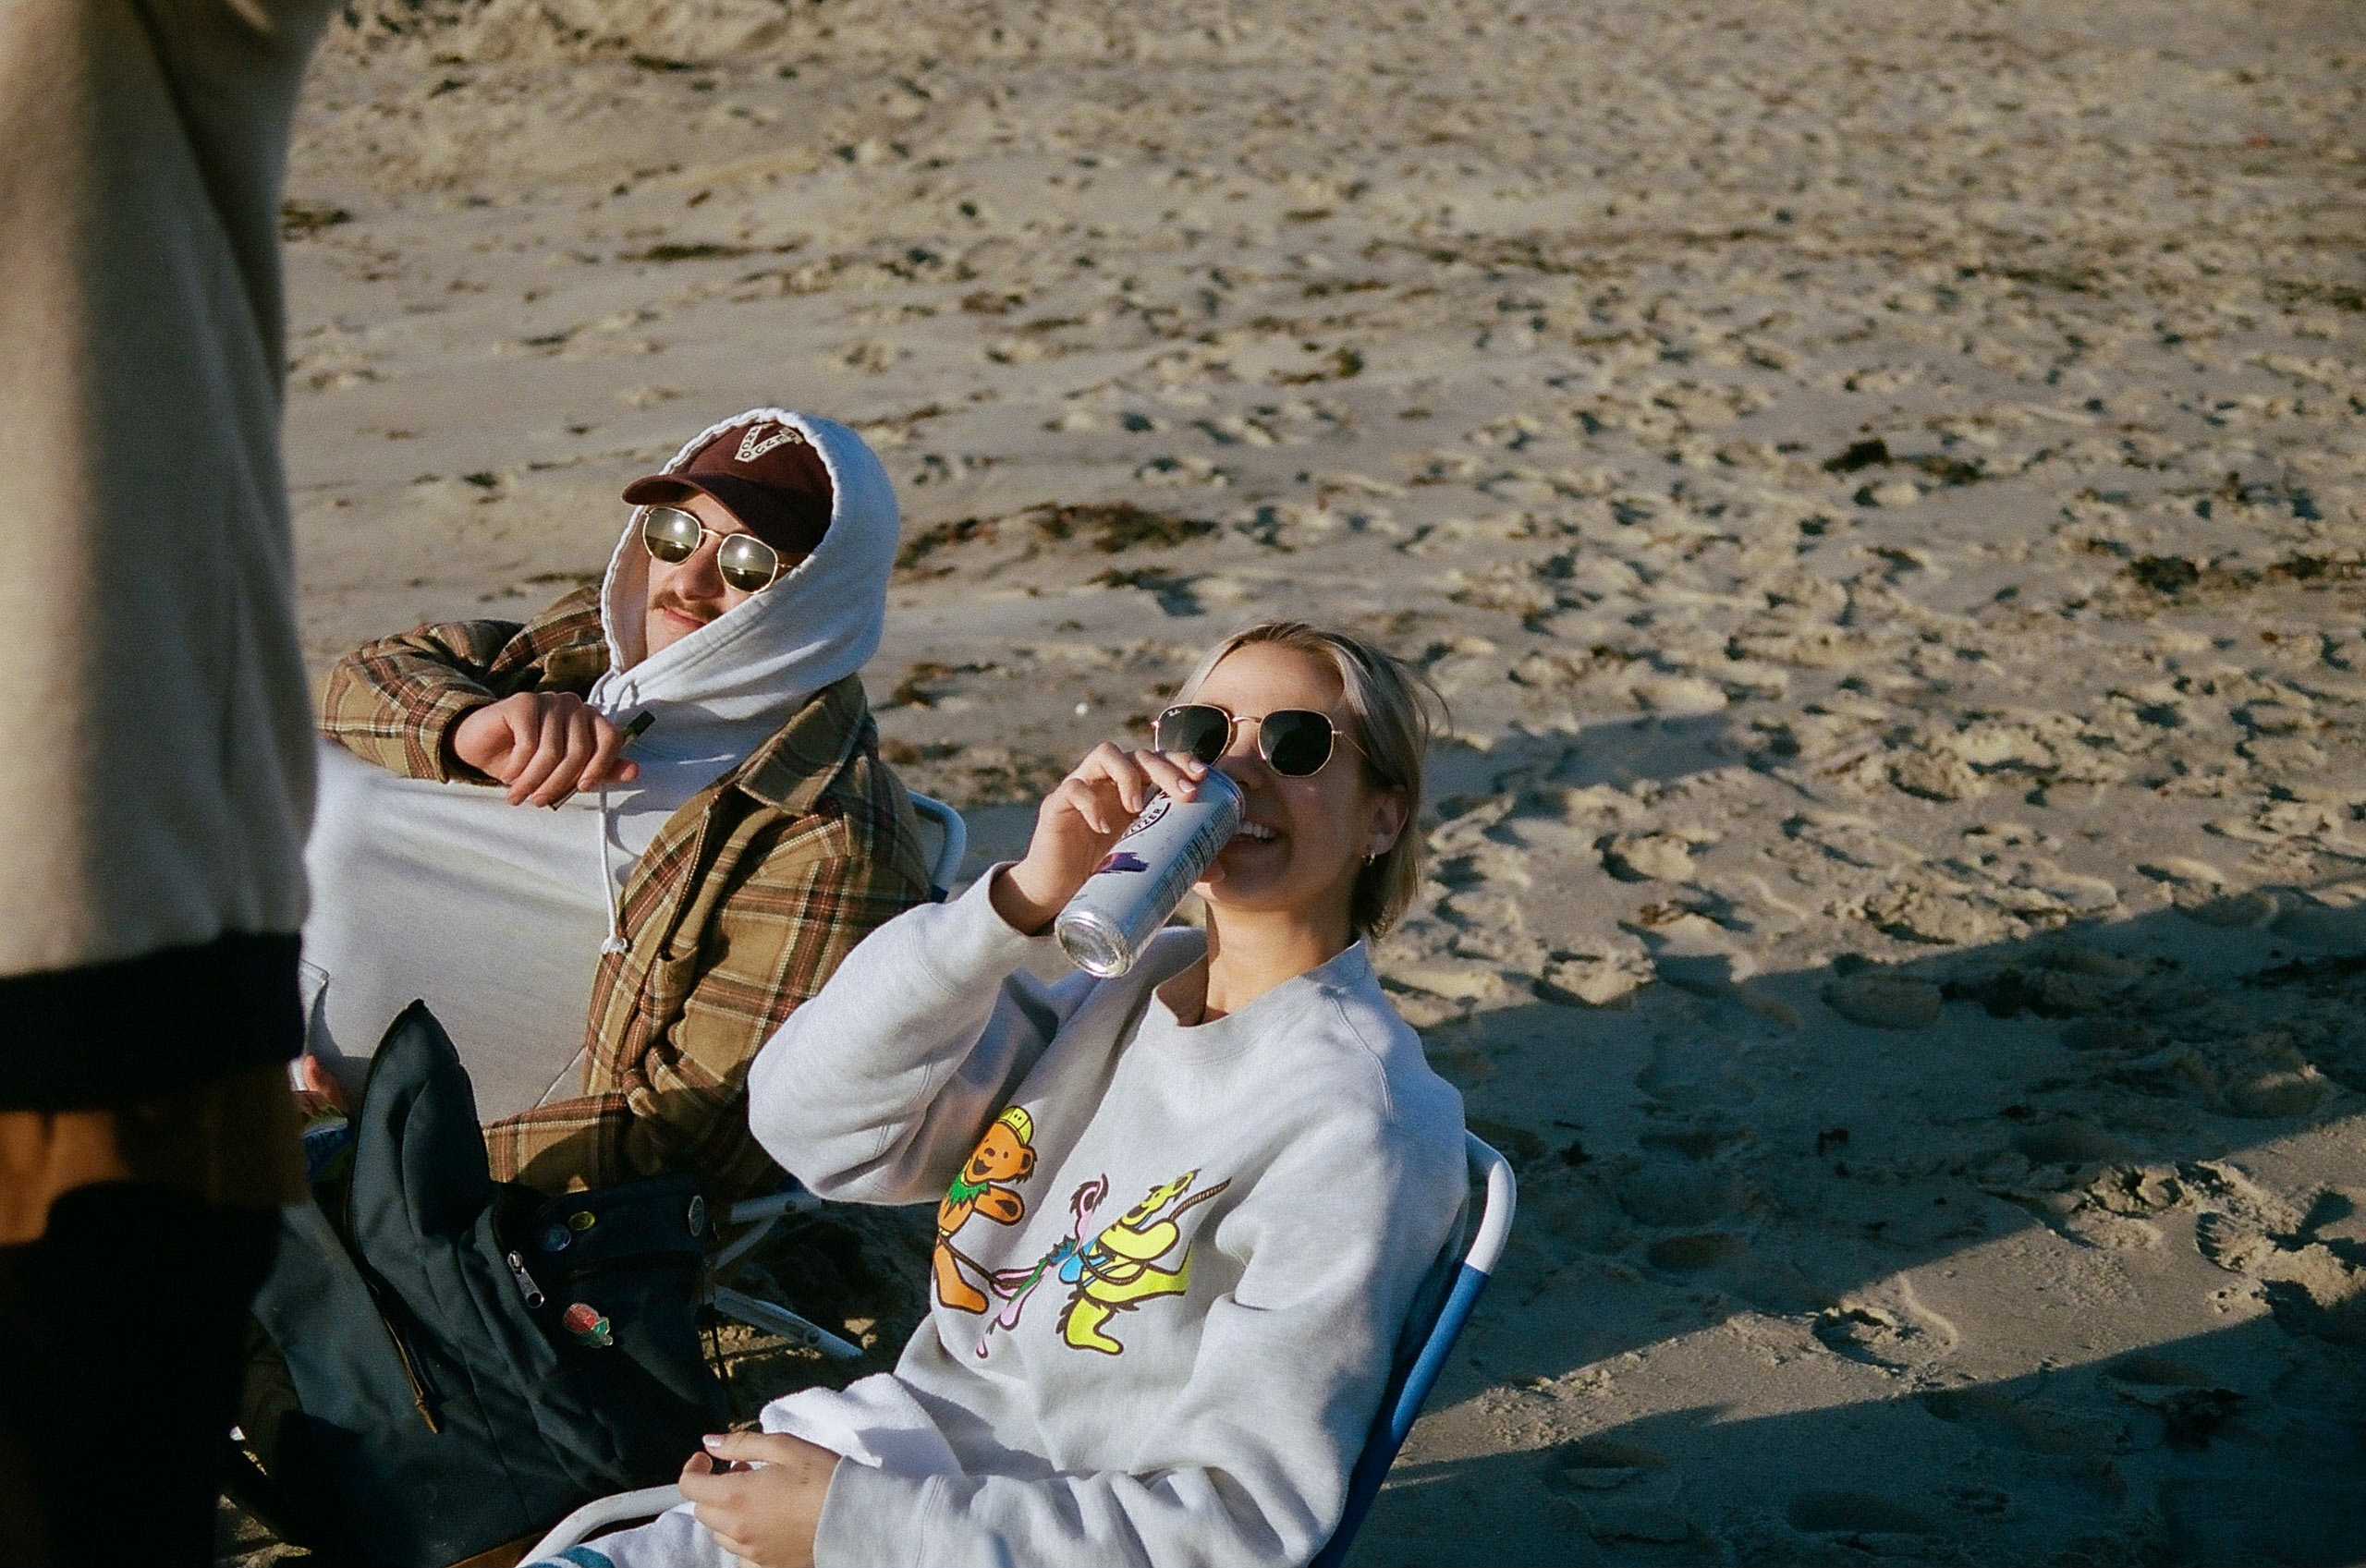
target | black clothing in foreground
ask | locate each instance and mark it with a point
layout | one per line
(172, 1019)
(121, 1331)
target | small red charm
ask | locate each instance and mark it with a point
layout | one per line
(586, 1326)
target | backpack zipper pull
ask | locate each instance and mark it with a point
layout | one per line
(526, 1285)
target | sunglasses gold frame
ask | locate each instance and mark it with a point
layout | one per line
(1332, 726)
(781, 564)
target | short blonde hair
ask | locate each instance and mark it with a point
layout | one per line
(1395, 710)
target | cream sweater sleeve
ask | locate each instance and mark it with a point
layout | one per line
(157, 789)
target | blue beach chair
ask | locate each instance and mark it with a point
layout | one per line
(953, 843)
(1440, 1309)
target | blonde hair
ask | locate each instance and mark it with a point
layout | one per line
(1395, 711)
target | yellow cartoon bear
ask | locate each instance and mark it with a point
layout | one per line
(1117, 1270)
(1004, 1154)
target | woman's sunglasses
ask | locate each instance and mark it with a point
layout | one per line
(745, 562)
(1295, 742)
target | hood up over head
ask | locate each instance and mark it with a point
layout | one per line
(755, 664)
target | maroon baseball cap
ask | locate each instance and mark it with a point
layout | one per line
(767, 474)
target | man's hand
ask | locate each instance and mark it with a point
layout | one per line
(544, 745)
(767, 1514)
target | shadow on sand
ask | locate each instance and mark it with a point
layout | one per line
(2048, 1250)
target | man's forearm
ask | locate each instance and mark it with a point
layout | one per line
(395, 702)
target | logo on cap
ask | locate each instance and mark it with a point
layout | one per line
(755, 444)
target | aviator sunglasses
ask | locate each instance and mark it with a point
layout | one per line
(744, 561)
(1295, 742)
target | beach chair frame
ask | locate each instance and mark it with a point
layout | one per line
(952, 845)
(1429, 1336)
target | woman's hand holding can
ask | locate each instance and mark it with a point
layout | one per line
(1080, 821)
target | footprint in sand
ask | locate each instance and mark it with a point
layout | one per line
(1623, 1491)
(1687, 1254)
(1647, 857)
(2192, 1405)
(1900, 1331)
(1883, 1001)
(2008, 1420)
(2308, 1283)
(1662, 1192)
(1594, 980)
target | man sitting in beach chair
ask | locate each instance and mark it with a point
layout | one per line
(666, 794)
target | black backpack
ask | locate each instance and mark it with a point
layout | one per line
(444, 1364)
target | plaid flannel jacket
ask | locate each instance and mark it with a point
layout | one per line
(739, 910)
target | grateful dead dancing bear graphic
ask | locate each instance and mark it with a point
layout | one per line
(1118, 1270)
(1004, 1154)
(1113, 1271)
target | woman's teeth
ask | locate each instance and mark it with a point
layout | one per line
(1257, 831)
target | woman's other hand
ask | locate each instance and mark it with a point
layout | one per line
(317, 1091)
(761, 1493)
(1080, 823)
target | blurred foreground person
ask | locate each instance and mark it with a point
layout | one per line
(158, 775)
(661, 797)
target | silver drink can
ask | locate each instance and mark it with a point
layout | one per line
(1168, 847)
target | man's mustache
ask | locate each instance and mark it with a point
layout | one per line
(701, 611)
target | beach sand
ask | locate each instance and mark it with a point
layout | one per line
(1879, 484)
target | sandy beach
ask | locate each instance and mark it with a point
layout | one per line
(1882, 487)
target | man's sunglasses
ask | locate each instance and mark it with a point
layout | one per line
(745, 562)
(1295, 742)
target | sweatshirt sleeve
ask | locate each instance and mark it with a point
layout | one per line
(875, 1090)
(1253, 1465)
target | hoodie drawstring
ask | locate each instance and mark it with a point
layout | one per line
(610, 893)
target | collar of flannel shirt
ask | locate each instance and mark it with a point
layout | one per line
(795, 768)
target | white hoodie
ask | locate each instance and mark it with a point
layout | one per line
(496, 913)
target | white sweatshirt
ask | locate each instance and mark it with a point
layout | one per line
(1195, 1244)
(495, 913)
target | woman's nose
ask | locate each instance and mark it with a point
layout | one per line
(1240, 762)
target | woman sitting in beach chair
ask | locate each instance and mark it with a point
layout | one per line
(1184, 1209)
